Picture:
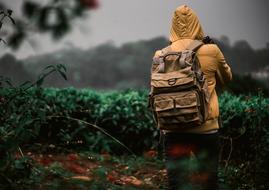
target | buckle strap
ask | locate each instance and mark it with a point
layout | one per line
(195, 45)
(162, 62)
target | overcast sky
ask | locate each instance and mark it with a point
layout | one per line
(131, 20)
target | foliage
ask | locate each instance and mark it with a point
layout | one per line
(49, 116)
(247, 85)
(54, 17)
(123, 114)
(245, 131)
(237, 176)
(5, 15)
(20, 117)
(128, 66)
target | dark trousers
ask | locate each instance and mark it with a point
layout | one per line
(192, 161)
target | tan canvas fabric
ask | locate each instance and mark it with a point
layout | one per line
(186, 28)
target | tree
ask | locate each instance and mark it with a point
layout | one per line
(54, 18)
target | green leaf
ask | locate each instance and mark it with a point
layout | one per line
(62, 74)
(61, 67)
(9, 12)
(30, 8)
(40, 82)
(24, 84)
(8, 82)
(52, 67)
(12, 20)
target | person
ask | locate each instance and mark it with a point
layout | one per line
(191, 155)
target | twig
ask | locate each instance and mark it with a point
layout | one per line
(21, 152)
(229, 156)
(6, 179)
(97, 127)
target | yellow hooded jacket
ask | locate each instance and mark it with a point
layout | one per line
(186, 28)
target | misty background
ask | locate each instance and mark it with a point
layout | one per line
(112, 47)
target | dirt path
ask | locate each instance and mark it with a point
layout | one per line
(94, 171)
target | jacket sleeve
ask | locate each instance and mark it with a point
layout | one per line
(224, 73)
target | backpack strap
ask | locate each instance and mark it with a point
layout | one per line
(195, 45)
(192, 47)
(166, 50)
(183, 57)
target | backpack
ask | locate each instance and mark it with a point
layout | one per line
(179, 94)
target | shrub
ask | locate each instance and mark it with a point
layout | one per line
(69, 118)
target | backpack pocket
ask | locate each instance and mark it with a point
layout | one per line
(180, 108)
(173, 81)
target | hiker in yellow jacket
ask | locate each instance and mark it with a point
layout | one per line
(192, 155)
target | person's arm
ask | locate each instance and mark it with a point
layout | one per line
(224, 73)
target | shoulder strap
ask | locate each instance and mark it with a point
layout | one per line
(166, 50)
(195, 45)
(192, 47)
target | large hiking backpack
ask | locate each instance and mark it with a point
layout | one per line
(179, 95)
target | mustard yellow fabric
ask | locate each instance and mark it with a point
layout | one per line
(185, 24)
(186, 28)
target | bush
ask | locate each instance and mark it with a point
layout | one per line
(69, 118)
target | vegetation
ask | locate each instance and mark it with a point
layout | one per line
(39, 119)
(87, 139)
(53, 17)
(129, 66)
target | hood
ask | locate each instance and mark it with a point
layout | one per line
(185, 25)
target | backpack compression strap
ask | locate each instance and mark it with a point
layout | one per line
(162, 63)
(195, 45)
(192, 47)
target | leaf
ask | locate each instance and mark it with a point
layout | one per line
(40, 82)
(30, 8)
(131, 180)
(72, 157)
(61, 66)
(75, 168)
(18, 164)
(49, 67)
(12, 20)
(45, 161)
(1, 40)
(16, 39)
(111, 178)
(9, 83)
(9, 12)
(61, 69)
(101, 172)
(24, 84)
(151, 154)
(62, 74)
(82, 178)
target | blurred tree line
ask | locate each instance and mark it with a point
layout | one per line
(110, 67)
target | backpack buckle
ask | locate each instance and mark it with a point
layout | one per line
(183, 59)
(172, 82)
